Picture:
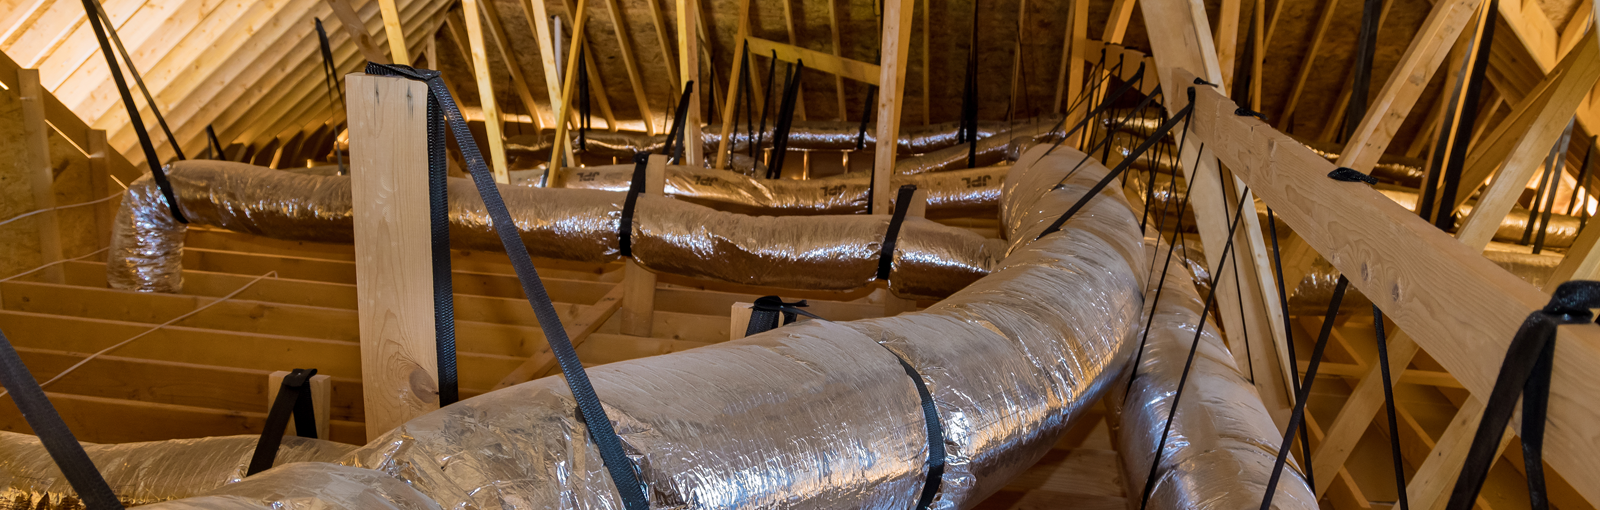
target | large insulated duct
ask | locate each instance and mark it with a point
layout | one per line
(1222, 445)
(959, 193)
(671, 236)
(803, 135)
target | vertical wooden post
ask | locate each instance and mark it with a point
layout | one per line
(739, 319)
(491, 110)
(638, 283)
(35, 132)
(100, 186)
(394, 267)
(733, 89)
(391, 29)
(539, 19)
(891, 90)
(568, 83)
(321, 399)
(1069, 82)
(688, 70)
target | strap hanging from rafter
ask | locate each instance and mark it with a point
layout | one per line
(1111, 98)
(780, 133)
(742, 98)
(1388, 399)
(1558, 162)
(330, 73)
(969, 96)
(1462, 127)
(585, 117)
(1583, 184)
(111, 30)
(671, 149)
(1525, 373)
(1288, 335)
(53, 433)
(217, 152)
(94, 12)
(766, 104)
(1297, 417)
(294, 398)
(617, 463)
(866, 119)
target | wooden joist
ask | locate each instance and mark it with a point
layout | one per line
(816, 60)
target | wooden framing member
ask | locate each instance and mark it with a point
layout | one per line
(1117, 21)
(539, 20)
(1069, 81)
(578, 331)
(638, 283)
(891, 92)
(321, 400)
(486, 99)
(667, 53)
(389, 165)
(838, 51)
(634, 78)
(357, 30)
(497, 31)
(391, 29)
(688, 70)
(818, 61)
(1227, 39)
(596, 84)
(788, 24)
(36, 161)
(100, 181)
(568, 83)
(1243, 301)
(731, 105)
(1456, 304)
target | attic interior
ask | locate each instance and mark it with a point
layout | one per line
(636, 253)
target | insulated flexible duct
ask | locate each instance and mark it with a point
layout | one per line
(803, 135)
(1221, 448)
(671, 236)
(958, 193)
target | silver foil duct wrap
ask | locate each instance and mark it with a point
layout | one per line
(804, 135)
(309, 486)
(1222, 445)
(141, 473)
(821, 253)
(953, 194)
(776, 419)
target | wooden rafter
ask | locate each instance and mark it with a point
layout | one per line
(636, 80)
(818, 61)
(497, 34)
(891, 93)
(731, 105)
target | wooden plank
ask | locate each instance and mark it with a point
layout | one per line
(36, 165)
(1227, 38)
(667, 53)
(497, 31)
(106, 420)
(1546, 116)
(1388, 111)
(1582, 261)
(321, 400)
(357, 30)
(1458, 306)
(393, 31)
(1307, 63)
(688, 71)
(625, 45)
(568, 83)
(819, 61)
(596, 83)
(539, 19)
(100, 181)
(788, 25)
(731, 104)
(578, 331)
(891, 94)
(838, 51)
(1069, 81)
(388, 166)
(1356, 415)
(1117, 21)
(638, 283)
(486, 99)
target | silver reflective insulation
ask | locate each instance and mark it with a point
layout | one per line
(953, 194)
(1222, 445)
(308, 486)
(803, 135)
(838, 252)
(819, 414)
(141, 473)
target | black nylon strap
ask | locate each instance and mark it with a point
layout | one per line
(1558, 164)
(444, 315)
(1525, 372)
(1582, 183)
(764, 317)
(294, 398)
(584, 116)
(53, 434)
(217, 152)
(1288, 335)
(1166, 127)
(330, 72)
(676, 133)
(1469, 116)
(780, 133)
(1161, 283)
(866, 119)
(91, 8)
(619, 466)
(1109, 100)
(111, 30)
(1388, 399)
(625, 223)
(766, 104)
(902, 204)
(1297, 417)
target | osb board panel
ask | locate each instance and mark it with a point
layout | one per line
(19, 240)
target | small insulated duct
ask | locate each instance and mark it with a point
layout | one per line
(1221, 448)
(671, 236)
(803, 135)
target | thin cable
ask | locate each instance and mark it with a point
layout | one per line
(52, 264)
(56, 208)
(1288, 335)
(118, 345)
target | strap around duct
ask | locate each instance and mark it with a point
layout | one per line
(764, 317)
(902, 204)
(676, 133)
(294, 397)
(618, 465)
(641, 162)
(1166, 127)
(1525, 373)
(53, 433)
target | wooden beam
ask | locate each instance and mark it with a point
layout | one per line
(818, 61)
(100, 185)
(638, 283)
(389, 165)
(1582, 261)
(568, 83)
(688, 70)
(1258, 320)
(539, 19)
(357, 30)
(1117, 21)
(578, 331)
(1394, 102)
(486, 99)
(731, 104)
(1356, 415)
(1227, 38)
(667, 53)
(596, 84)
(321, 400)
(1069, 81)
(1541, 119)
(1307, 63)
(636, 80)
(891, 93)
(36, 165)
(392, 30)
(1458, 306)
(788, 24)
(497, 30)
